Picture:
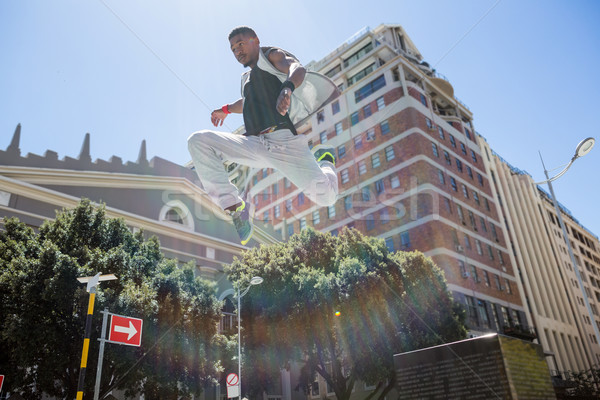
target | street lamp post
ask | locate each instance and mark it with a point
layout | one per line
(583, 148)
(257, 280)
(92, 282)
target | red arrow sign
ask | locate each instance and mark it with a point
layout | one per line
(1, 382)
(125, 330)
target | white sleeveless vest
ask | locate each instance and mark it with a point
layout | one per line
(315, 91)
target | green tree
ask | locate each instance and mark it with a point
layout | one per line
(341, 306)
(43, 310)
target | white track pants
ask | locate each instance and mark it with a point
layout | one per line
(281, 150)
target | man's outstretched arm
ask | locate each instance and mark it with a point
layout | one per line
(218, 116)
(295, 75)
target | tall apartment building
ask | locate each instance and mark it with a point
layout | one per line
(410, 171)
(553, 295)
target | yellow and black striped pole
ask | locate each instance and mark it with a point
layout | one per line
(86, 342)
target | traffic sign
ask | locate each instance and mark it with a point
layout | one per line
(233, 387)
(1, 382)
(125, 330)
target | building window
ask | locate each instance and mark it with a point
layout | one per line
(379, 186)
(472, 220)
(302, 223)
(370, 134)
(331, 211)
(389, 153)
(362, 167)
(467, 242)
(462, 269)
(320, 116)
(174, 215)
(265, 195)
(290, 230)
(447, 158)
(370, 222)
(375, 160)
(277, 211)
(348, 202)
(486, 278)
(476, 197)
(266, 216)
(494, 233)
(452, 140)
(465, 192)
(334, 71)
(338, 129)
(366, 194)
(463, 148)
(405, 240)
(389, 243)
(361, 74)
(358, 142)
(508, 287)
(341, 151)
(288, 205)
(485, 321)
(354, 118)
(384, 216)
(498, 285)
(474, 156)
(459, 211)
(323, 136)
(275, 189)
(448, 205)
(176, 212)
(385, 127)
(468, 133)
(367, 111)
(335, 107)
(441, 132)
(469, 172)
(435, 149)
(453, 184)
(472, 310)
(483, 225)
(480, 179)
(394, 182)
(286, 183)
(428, 123)
(474, 273)
(459, 165)
(300, 198)
(441, 176)
(369, 88)
(316, 216)
(423, 100)
(380, 103)
(478, 247)
(490, 252)
(344, 176)
(486, 203)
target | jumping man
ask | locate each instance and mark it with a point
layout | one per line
(277, 95)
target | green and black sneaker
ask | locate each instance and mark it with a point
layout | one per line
(324, 152)
(241, 221)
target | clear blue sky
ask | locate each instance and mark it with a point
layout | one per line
(528, 70)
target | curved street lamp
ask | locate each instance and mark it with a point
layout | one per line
(583, 148)
(256, 280)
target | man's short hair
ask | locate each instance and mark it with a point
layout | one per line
(240, 30)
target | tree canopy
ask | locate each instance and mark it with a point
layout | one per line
(341, 306)
(43, 310)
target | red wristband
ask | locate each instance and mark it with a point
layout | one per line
(225, 109)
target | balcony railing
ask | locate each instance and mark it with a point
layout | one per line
(520, 332)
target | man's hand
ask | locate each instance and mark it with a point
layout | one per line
(284, 100)
(217, 117)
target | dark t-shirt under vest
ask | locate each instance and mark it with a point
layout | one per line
(260, 103)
